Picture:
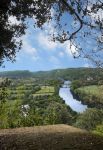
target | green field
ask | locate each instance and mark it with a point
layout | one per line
(93, 94)
(93, 89)
(45, 90)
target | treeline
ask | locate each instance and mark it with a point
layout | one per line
(16, 74)
(63, 74)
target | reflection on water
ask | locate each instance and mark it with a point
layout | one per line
(65, 93)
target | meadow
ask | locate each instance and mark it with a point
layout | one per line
(92, 93)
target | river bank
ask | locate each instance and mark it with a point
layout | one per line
(86, 99)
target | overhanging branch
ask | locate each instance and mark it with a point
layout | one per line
(70, 9)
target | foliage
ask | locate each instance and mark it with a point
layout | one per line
(3, 91)
(99, 129)
(91, 95)
(75, 84)
(46, 89)
(84, 22)
(29, 104)
(10, 115)
(56, 77)
(90, 119)
(57, 113)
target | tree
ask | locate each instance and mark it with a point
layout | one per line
(3, 90)
(90, 119)
(57, 113)
(82, 27)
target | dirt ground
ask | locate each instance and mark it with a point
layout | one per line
(52, 137)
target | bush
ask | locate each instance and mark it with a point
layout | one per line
(90, 119)
(99, 129)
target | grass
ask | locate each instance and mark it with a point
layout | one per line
(42, 94)
(20, 91)
(93, 90)
(52, 137)
(99, 130)
(45, 90)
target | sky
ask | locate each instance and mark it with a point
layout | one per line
(39, 53)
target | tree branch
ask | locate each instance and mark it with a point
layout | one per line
(77, 16)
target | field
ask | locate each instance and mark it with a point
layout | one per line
(45, 90)
(92, 92)
(93, 89)
(55, 137)
(23, 88)
(27, 103)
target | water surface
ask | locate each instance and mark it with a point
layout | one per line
(66, 94)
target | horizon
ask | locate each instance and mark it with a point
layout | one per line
(50, 69)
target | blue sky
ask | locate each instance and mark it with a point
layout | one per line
(39, 53)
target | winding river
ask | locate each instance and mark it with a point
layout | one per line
(66, 94)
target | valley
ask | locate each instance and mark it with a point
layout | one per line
(52, 98)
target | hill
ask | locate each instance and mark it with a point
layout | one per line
(16, 74)
(67, 74)
(52, 137)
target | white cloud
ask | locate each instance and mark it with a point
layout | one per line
(44, 41)
(29, 49)
(70, 49)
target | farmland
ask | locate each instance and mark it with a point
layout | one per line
(93, 89)
(25, 102)
(45, 90)
(35, 101)
(93, 93)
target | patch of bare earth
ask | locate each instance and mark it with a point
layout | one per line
(52, 137)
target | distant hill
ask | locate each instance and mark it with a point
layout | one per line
(51, 137)
(69, 73)
(16, 74)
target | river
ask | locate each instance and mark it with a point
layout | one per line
(66, 94)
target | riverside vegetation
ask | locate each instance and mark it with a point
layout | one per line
(29, 102)
(32, 99)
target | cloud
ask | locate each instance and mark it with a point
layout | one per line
(29, 49)
(45, 36)
(44, 41)
(70, 49)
